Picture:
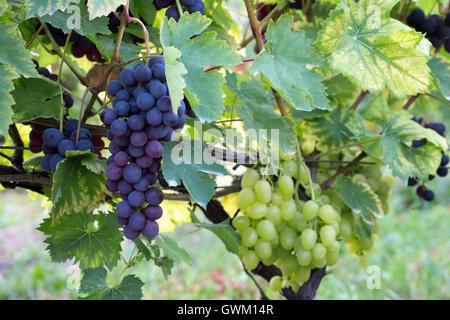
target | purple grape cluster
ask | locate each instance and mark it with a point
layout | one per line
(141, 119)
(422, 191)
(172, 11)
(56, 144)
(436, 29)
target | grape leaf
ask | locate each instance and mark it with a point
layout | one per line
(78, 184)
(98, 8)
(192, 167)
(92, 239)
(13, 52)
(7, 74)
(358, 195)
(144, 9)
(35, 98)
(175, 71)
(221, 16)
(374, 50)
(224, 232)
(203, 89)
(172, 250)
(60, 19)
(40, 8)
(256, 109)
(286, 61)
(94, 283)
(441, 70)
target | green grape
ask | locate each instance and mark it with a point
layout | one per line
(282, 253)
(257, 210)
(323, 199)
(373, 185)
(302, 274)
(277, 199)
(372, 172)
(338, 210)
(287, 238)
(250, 260)
(241, 223)
(286, 186)
(334, 247)
(335, 225)
(300, 223)
(281, 226)
(318, 251)
(365, 243)
(289, 283)
(289, 265)
(273, 214)
(263, 191)
(242, 250)
(327, 235)
(316, 188)
(332, 257)
(249, 237)
(263, 249)
(245, 198)
(294, 222)
(320, 263)
(270, 261)
(383, 188)
(345, 229)
(275, 283)
(290, 168)
(388, 179)
(249, 178)
(308, 238)
(275, 241)
(304, 174)
(327, 214)
(353, 246)
(304, 257)
(310, 210)
(359, 176)
(288, 210)
(266, 230)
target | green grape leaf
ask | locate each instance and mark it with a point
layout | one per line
(35, 98)
(175, 71)
(40, 8)
(256, 109)
(224, 232)
(94, 283)
(144, 9)
(172, 250)
(203, 89)
(441, 70)
(60, 19)
(192, 167)
(91, 239)
(78, 184)
(332, 129)
(287, 61)
(221, 16)
(13, 52)
(33, 162)
(140, 245)
(358, 195)
(98, 8)
(374, 50)
(7, 74)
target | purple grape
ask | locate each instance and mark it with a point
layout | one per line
(137, 221)
(154, 149)
(145, 101)
(159, 70)
(181, 122)
(121, 221)
(136, 122)
(442, 171)
(198, 6)
(45, 163)
(112, 186)
(154, 168)
(157, 89)
(48, 150)
(153, 212)
(68, 100)
(85, 145)
(168, 136)
(127, 77)
(114, 172)
(70, 126)
(114, 147)
(122, 108)
(144, 162)
(154, 196)
(52, 137)
(181, 109)
(143, 74)
(113, 87)
(138, 91)
(444, 160)
(110, 160)
(134, 109)
(109, 135)
(164, 104)
(119, 127)
(65, 145)
(54, 161)
(130, 90)
(121, 159)
(159, 132)
(170, 119)
(130, 233)
(153, 61)
(154, 117)
(187, 2)
(122, 95)
(136, 152)
(138, 138)
(136, 198)
(125, 188)
(151, 229)
(151, 177)
(132, 173)
(142, 184)
(122, 141)
(412, 181)
(124, 209)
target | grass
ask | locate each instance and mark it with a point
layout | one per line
(412, 254)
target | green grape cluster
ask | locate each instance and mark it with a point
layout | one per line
(277, 228)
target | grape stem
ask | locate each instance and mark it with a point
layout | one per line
(61, 107)
(30, 42)
(17, 157)
(81, 112)
(139, 58)
(410, 101)
(349, 145)
(343, 170)
(180, 9)
(358, 100)
(261, 291)
(123, 24)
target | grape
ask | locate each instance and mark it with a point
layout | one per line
(288, 210)
(198, 6)
(286, 185)
(159, 69)
(442, 172)
(130, 233)
(137, 221)
(332, 258)
(263, 249)
(118, 127)
(437, 127)
(68, 100)
(114, 87)
(142, 184)
(250, 260)
(289, 264)
(170, 119)
(154, 117)
(132, 173)
(249, 237)
(136, 122)
(144, 161)
(142, 74)
(275, 283)
(154, 149)
(241, 223)
(287, 238)
(52, 137)
(273, 214)
(310, 210)
(304, 175)
(124, 188)
(45, 163)
(138, 138)
(304, 257)
(153, 212)
(121, 221)
(157, 89)
(428, 195)
(152, 61)
(365, 243)
(249, 178)
(266, 230)
(302, 274)
(122, 95)
(54, 161)
(444, 160)
(124, 209)
(257, 210)
(84, 145)
(65, 145)
(327, 214)
(412, 181)
(245, 198)
(318, 251)
(164, 104)
(308, 239)
(151, 229)
(154, 196)
(277, 199)
(122, 108)
(173, 13)
(416, 17)
(187, 2)
(145, 101)
(127, 77)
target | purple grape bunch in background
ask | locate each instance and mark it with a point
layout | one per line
(172, 11)
(142, 118)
